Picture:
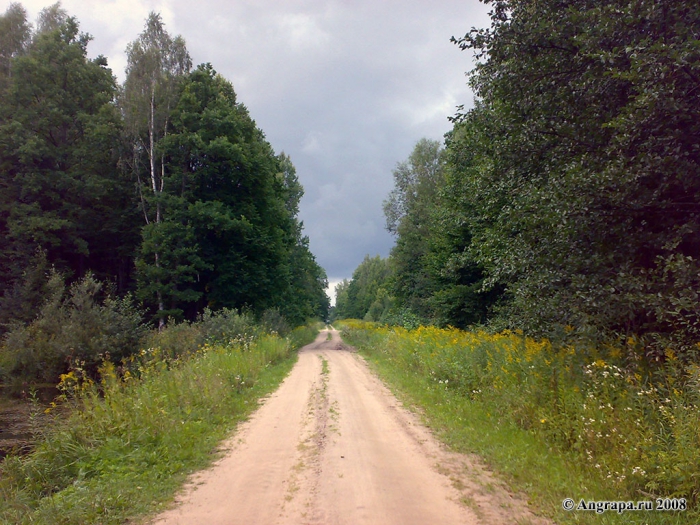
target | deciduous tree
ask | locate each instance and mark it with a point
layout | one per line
(156, 64)
(586, 207)
(60, 191)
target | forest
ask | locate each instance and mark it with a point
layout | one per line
(134, 205)
(543, 287)
(539, 307)
(566, 201)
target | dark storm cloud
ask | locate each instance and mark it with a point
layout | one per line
(346, 88)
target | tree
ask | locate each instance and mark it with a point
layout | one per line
(369, 283)
(15, 32)
(584, 205)
(60, 191)
(409, 212)
(306, 296)
(432, 277)
(50, 19)
(341, 300)
(156, 64)
(228, 235)
(416, 181)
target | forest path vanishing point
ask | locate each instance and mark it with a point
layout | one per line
(333, 446)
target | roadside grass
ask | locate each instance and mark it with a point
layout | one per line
(520, 405)
(130, 441)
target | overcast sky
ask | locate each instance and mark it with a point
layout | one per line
(345, 87)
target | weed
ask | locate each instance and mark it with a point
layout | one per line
(558, 422)
(133, 437)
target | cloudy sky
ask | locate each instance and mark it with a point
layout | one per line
(345, 87)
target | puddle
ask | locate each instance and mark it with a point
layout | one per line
(16, 426)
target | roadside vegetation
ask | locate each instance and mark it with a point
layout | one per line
(152, 267)
(567, 199)
(162, 188)
(541, 300)
(557, 422)
(118, 446)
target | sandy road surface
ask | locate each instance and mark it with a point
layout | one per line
(333, 446)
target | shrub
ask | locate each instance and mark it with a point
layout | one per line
(274, 322)
(73, 325)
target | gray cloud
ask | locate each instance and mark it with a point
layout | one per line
(346, 88)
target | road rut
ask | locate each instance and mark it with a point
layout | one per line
(333, 446)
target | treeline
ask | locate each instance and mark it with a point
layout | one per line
(567, 201)
(162, 188)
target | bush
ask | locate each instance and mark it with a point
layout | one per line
(222, 327)
(73, 326)
(274, 322)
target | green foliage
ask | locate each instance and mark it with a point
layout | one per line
(221, 327)
(306, 282)
(577, 171)
(303, 335)
(431, 274)
(341, 300)
(227, 234)
(130, 442)
(274, 322)
(225, 326)
(409, 213)
(367, 290)
(59, 135)
(79, 326)
(15, 32)
(402, 317)
(21, 303)
(597, 428)
(157, 65)
(169, 190)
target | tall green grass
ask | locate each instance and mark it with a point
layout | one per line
(557, 422)
(131, 440)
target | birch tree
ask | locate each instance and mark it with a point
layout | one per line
(156, 63)
(15, 32)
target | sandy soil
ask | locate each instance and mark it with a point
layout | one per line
(333, 446)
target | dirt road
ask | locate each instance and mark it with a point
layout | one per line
(334, 446)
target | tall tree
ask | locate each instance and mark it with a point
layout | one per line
(368, 284)
(433, 276)
(306, 296)
(50, 19)
(156, 64)
(587, 207)
(60, 193)
(341, 300)
(228, 234)
(409, 211)
(15, 33)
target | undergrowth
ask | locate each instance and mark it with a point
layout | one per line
(558, 422)
(131, 438)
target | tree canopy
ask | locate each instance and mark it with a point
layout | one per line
(59, 140)
(586, 208)
(164, 186)
(568, 197)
